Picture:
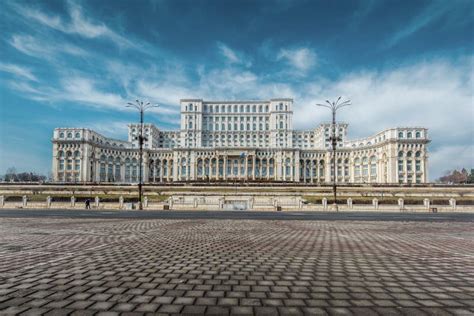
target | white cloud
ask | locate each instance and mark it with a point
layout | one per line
(84, 90)
(43, 49)
(18, 71)
(433, 11)
(435, 94)
(303, 59)
(232, 56)
(114, 129)
(79, 24)
(449, 157)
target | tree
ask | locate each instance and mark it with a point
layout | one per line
(456, 176)
(12, 176)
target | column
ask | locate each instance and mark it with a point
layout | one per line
(216, 162)
(253, 167)
(224, 167)
(97, 170)
(161, 170)
(327, 162)
(246, 168)
(268, 168)
(297, 167)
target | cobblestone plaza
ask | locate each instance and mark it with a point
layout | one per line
(58, 266)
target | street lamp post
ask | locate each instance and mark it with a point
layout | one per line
(334, 106)
(141, 107)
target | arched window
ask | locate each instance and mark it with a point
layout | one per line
(190, 107)
(247, 109)
(61, 135)
(266, 108)
(400, 135)
(254, 108)
(235, 108)
(223, 109)
(217, 109)
(281, 124)
(321, 169)
(102, 170)
(409, 135)
(190, 125)
(118, 176)
(357, 167)
(260, 109)
(78, 135)
(127, 170)
(134, 170)
(223, 126)
(373, 167)
(69, 135)
(346, 167)
(417, 134)
(365, 167)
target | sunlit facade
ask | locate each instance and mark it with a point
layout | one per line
(240, 141)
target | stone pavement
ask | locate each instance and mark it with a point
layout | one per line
(59, 266)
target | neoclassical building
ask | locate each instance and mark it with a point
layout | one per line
(240, 141)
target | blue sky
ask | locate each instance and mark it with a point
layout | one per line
(77, 63)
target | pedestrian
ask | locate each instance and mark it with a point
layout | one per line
(88, 204)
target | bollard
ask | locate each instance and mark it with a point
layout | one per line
(349, 203)
(48, 202)
(25, 201)
(145, 201)
(195, 202)
(375, 203)
(121, 202)
(401, 204)
(2, 200)
(97, 200)
(73, 201)
(426, 203)
(325, 203)
(452, 202)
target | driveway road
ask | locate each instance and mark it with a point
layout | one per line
(254, 215)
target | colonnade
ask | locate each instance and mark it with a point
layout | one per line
(407, 165)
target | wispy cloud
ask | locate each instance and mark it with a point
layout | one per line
(303, 58)
(84, 90)
(433, 11)
(115, 129)
(45, 49)
(19, 71)
(79, 24)
(232, 56)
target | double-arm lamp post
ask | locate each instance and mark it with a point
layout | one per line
(334, 106)
(141, 107)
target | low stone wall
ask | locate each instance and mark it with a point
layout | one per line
(239, 202)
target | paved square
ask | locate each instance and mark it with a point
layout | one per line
(59, 266)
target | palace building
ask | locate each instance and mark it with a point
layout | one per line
(240, 141)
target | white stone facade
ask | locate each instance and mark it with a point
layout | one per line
(240, 140)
